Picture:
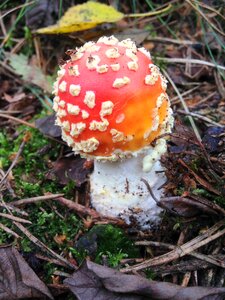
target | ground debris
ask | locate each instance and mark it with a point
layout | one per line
(94, 281)
(18, 280)
(67, 169)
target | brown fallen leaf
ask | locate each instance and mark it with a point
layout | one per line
(93, 281)
(185, 207)
(31, 73)
(71, 168)
(17, 279)
(47, 126)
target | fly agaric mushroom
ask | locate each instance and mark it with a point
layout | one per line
(111, 103)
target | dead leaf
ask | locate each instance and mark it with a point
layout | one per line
(137, 35)
(42, 13)
(47, 126)
(93, 281)
(15, 98)
(17, 279)
(82, 17)
(214, 139)
(185, 207)
(30, 73)
(68, 169)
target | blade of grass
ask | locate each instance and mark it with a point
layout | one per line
(206, 18)
(15, 8)
(40, 98)
(210, 8)
(18, 18)
(150, 4)
(60, 8)
(151, 13)
(210, 51)
(3, 4)
(191, 120)
(189, 60)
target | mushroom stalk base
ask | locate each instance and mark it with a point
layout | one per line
(118, 191)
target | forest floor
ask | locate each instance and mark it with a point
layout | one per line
(48, 229)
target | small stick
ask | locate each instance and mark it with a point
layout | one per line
(17, 120)
(10, 208)
(207, 258)
(51, 260)
(173, 100)
(186, 279)
(190, 60)
(150, 191)
(17, 219)
(78, 208)
(10, 112)
(173, 41)
(8, 230)
(183, 250)
(7, 184)
(13, 163)
(199, 117)
(206, 18)
(16, 8)
(43, 247)
(35, 199)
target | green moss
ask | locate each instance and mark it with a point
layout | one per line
(105, 241)
(29, 180)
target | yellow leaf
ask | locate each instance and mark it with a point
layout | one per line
(82, 17)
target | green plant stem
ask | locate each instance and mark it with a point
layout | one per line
(150, 13)
(191, 120)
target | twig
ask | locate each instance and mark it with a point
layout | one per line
(199, 117)
(219, 83)
(13, 163)
(181, 267)
(16, 8)
(78, 208)
(10, 112)
(9, 207)
(7, 184)
(150, 13)
(206, 18)
(201, 240)
(35, 199)
(206, 98)
(61, 273)
(173, 41)
(43, 247)
(212, 9)
(51, 260)
(186, 279)
(189, 60)
(150, 191)
(183, 94)
(208, 258)
(2, 25)
(17, 120)
(8, 230)
(184, 105)
(11, 217)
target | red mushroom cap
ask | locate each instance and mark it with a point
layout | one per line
(110, 99)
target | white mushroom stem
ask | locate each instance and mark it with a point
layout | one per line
(118, 191)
